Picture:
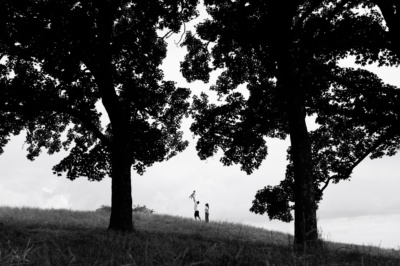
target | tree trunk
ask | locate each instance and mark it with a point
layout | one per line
(293, 94)
(121, 186)
(121, 192)
(121, 162)
(306, 232)
(103, 69)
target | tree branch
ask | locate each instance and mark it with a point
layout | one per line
(88, 124)
(184, 31)
(326, 183)
(60, 109)
(167, 35)
(389, 134)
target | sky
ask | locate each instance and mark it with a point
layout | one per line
(364, 210)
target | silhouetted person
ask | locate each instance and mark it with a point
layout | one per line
(207, 212)
(192, 195)
(196, 210)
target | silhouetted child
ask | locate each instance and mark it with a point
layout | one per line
(192, 195)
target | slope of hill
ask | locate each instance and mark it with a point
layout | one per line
(30, 236)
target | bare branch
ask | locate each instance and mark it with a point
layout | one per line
(326, 184)
(184, 31)
(167, 35)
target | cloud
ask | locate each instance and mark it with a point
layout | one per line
(376, 230)
(373, 190)
(56, 202)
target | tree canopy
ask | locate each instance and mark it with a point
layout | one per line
(61, 58)
(358, 118)
(287, 55)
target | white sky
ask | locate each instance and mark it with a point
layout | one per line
(365, 210)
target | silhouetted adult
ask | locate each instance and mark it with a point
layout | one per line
(207, 212)
(196, 210)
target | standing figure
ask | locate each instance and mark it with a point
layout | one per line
(207, 212)
(196, 210)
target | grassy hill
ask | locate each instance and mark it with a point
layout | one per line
(30, 236)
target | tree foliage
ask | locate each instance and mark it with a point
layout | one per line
(287, 55)
(356, 121)
(60, 59)
(246, 48)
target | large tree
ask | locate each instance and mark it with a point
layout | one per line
(358, 117)
(287, 54)
(60, 58)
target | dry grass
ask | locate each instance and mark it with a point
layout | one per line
(31, 236)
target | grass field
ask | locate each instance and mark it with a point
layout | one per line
(30, 236)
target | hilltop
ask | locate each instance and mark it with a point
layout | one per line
(31, 236)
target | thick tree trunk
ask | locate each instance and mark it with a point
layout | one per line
(306, 232)
(103, 69)
(121, 162)
(292, 95)
(305, 218)
(121, 193)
